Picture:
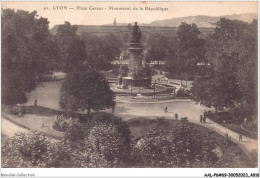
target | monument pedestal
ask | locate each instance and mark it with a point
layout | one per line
(139, 78)
(136, 55)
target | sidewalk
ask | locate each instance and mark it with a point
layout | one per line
(9, 129)
(247, 145)
(31, 122)
(34, 122)
(128, 99)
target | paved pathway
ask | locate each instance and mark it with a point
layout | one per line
(130, 110)
(48, 96)
(8, 128)
(247, 144)
(184, 109)
(12, 124)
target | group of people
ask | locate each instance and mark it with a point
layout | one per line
(202, 119)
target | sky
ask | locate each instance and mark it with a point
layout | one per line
(105, 16)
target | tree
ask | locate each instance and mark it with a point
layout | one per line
(111, 47)
(26, 53)
(218, 90)
(101, 141)
(33, 149)
(86, 90)
(246, 71)
(191, 49)
(232, 51)
(158, 48)
(173, 62)
(101, 51)
(185, 51)
(71, 48)
(175, 145)
(108, 146)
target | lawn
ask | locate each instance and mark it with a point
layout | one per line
(233, 156)
(237, 128)
(228, 120)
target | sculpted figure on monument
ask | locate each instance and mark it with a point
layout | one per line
(136, 34)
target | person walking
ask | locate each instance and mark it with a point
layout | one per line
(200, 118)
(240, 137)
(227, 134)
(204, 119)
(165, 110)
(113, 109)
(35, 103)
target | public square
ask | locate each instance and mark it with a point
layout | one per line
(171, 92)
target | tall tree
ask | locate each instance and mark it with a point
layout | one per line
(220, 89)
(233, 53)
(71, 47)
(191, 48)
(85, 91)
(101, 51)
(158, 48)
(26, 53)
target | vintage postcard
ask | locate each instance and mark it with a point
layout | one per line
(129, 85)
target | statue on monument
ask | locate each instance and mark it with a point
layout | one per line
(136, 34)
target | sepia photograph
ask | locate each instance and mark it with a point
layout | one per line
(129, 85)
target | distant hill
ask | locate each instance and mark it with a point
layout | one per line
(124, 33)
(199, 20)
(202, 20)
(165, 27)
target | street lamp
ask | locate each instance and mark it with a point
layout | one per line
(131, 87)
(154, 88)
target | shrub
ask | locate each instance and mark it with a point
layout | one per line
(184, 120)
(182, 92)
(62, 123)
(75, 131)
(140, 72)
(106, 146)
(16, 110)
(174, 146)
(101, 141)
(124, 71)
(33, 149)
(222, 117)
(254, 158)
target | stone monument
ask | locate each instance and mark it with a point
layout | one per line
(135, 48)
(138, 76)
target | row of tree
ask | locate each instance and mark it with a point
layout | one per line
(226, 62)
(232, 51)
(105, 141)
(181, 53)
(86, 51)
(29, 51)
